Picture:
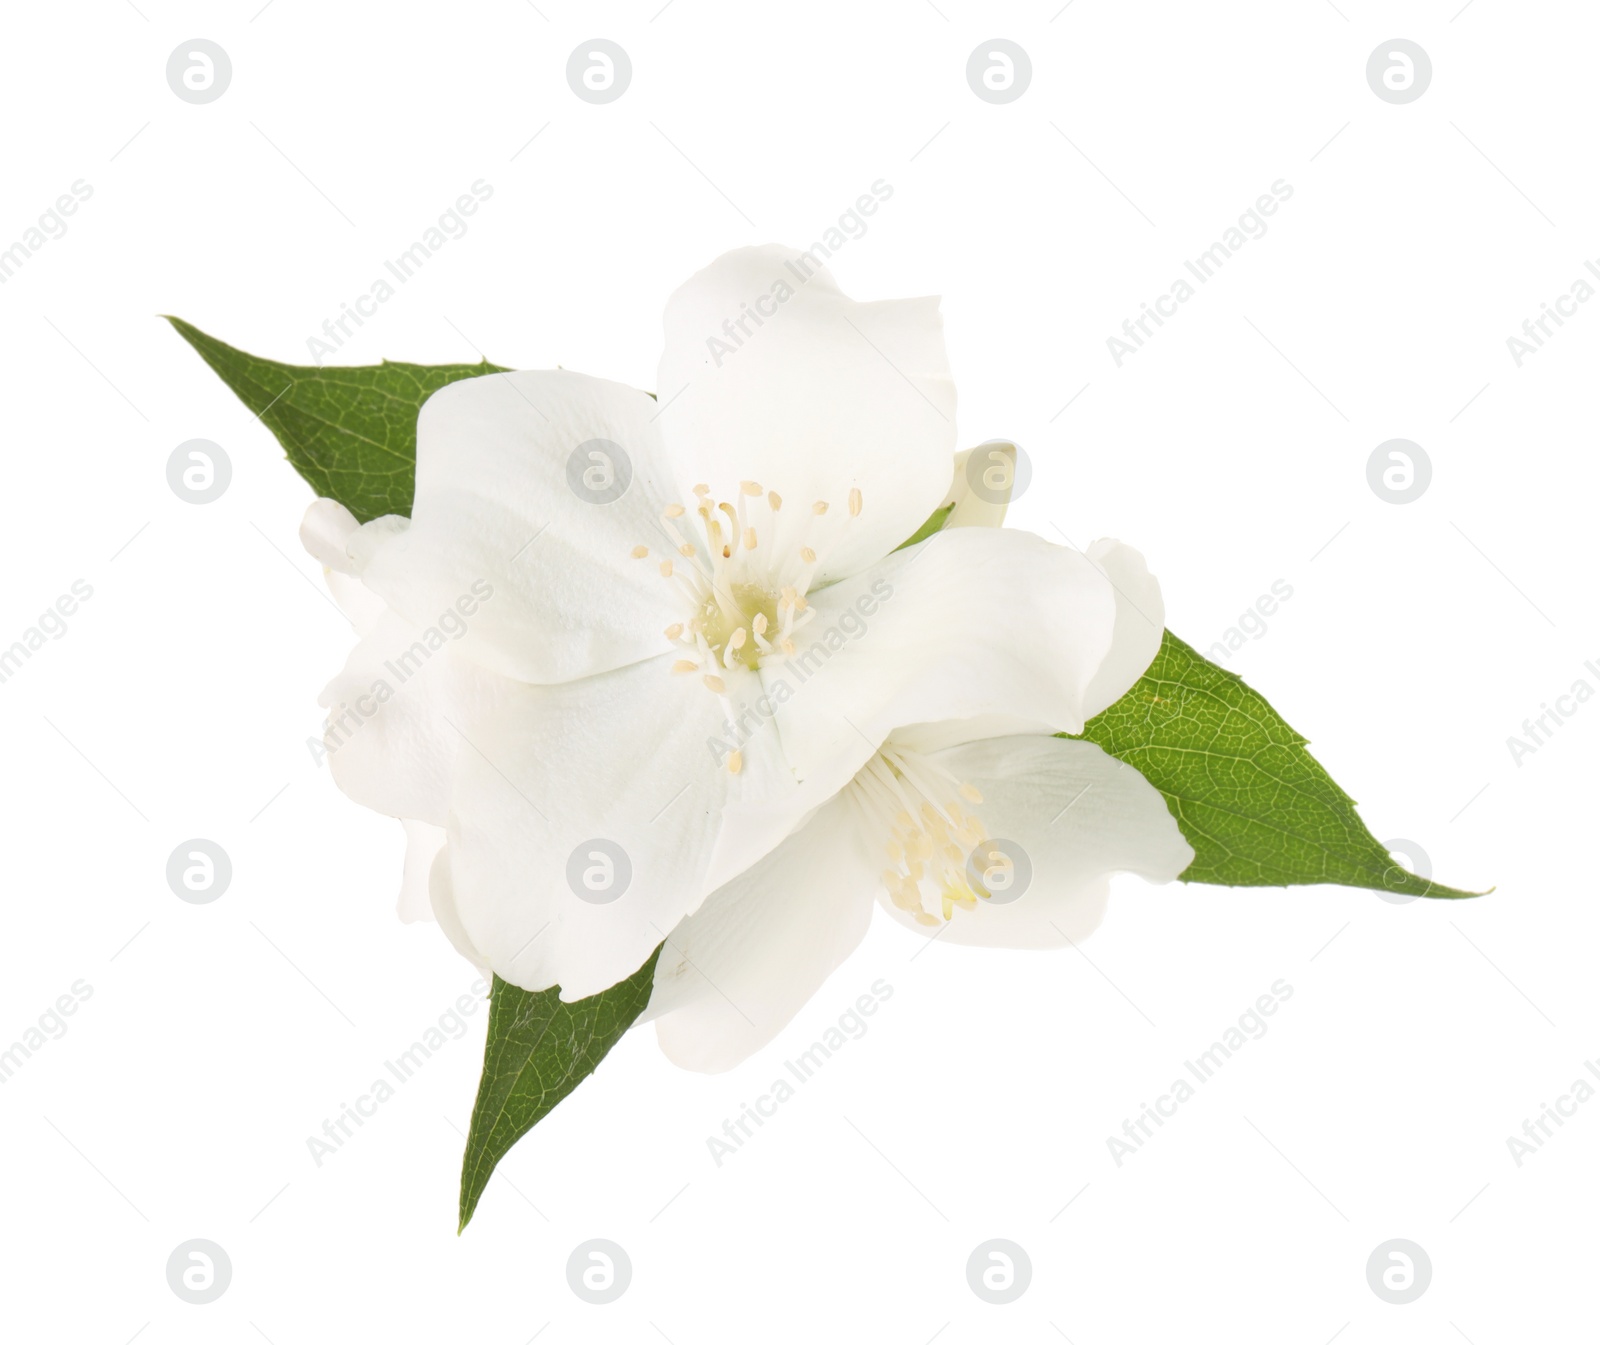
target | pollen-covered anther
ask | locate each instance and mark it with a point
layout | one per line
(735, 761)
(684, 665)
(855, 501)
(714, 683)
(673, 631)
(639, 552)
(673, 511)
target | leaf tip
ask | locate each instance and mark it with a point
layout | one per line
(1457, 893)
(187, 330)
(1431, 890)
(468, 1206)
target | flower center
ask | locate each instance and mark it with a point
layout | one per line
(731, 623)
(934, 840)
(744, 597)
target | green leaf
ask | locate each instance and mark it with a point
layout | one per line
(935, 523)
(539, 1050)
(1255, 805)
(350, 432)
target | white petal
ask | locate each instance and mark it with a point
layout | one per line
(629, 758)
(396, 713)
(496, 518)
(824, 395)
(1141, 617)
(325, 532)
(1079, 816)
(970, 623)
(441, 893)
(736, 971)
(423, 843)
(360, 604)
(1137, 632)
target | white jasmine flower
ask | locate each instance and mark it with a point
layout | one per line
(658, 672)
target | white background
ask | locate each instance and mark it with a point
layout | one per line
(1231, 449)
